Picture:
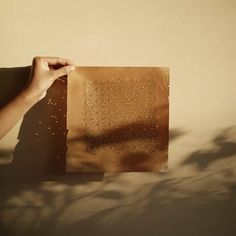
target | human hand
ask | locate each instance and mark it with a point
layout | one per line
(44, 71)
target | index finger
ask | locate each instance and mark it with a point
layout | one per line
(57, 60)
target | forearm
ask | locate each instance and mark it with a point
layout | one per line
(42, 76)
(15, 110)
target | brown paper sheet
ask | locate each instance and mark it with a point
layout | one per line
(117, 119)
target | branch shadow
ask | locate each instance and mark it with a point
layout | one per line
(174, 205)
(17, 190)
(224, 148)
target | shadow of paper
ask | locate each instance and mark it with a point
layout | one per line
(12, 81)
(41, 150)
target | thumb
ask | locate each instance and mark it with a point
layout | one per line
(62, 71)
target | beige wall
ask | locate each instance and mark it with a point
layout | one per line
(196, 39)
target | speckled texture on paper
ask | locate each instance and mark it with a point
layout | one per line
(117, 119)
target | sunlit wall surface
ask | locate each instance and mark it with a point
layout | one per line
(196, 39)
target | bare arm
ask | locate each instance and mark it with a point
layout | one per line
(41, 78)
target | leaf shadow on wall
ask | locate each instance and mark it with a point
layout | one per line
(202, 203)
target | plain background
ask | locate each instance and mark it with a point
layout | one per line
(196, 40)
